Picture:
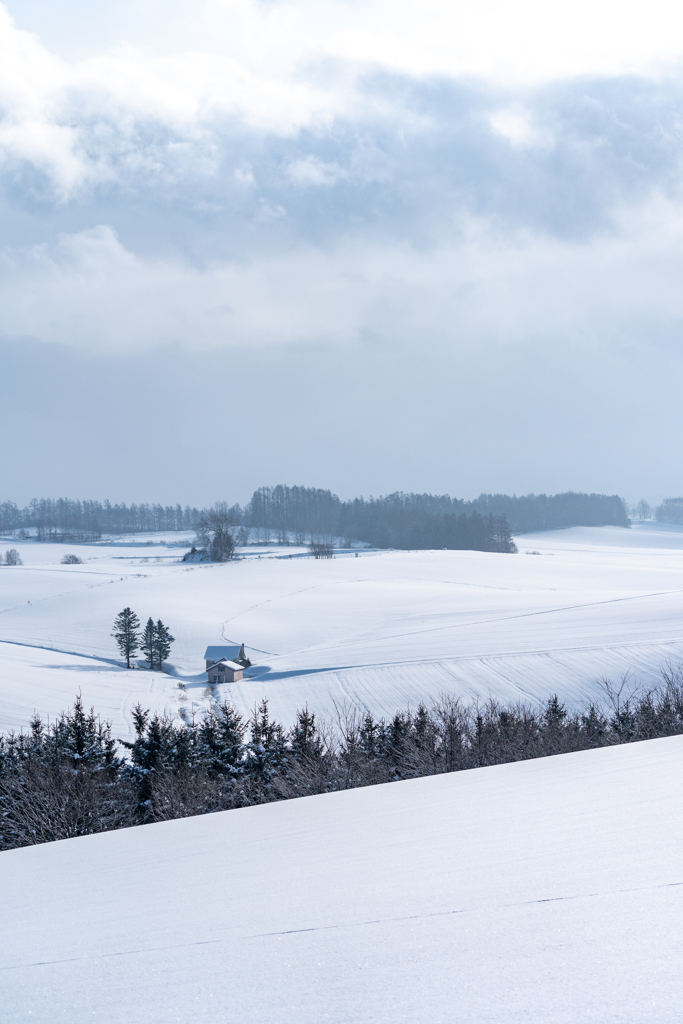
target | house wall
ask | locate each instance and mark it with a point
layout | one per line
(228, 676)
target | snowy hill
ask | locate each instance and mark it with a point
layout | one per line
(542, 892)
(385, 630)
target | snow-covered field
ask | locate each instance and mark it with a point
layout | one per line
(542, 892)
(384, 629)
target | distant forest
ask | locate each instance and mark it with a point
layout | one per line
(670, 511)
(298, 514)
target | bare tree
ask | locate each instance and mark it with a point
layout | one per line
(321, 549)
(215, 532)
(12, 557)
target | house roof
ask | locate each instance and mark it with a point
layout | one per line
(228, 664)
(215, 654)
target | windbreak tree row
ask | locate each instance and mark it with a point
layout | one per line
(398, 521)
(422, 520)
(670, 511)
(302, 514)
(72, 778)
(66, 519)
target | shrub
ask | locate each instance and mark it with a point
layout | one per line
(72, 560)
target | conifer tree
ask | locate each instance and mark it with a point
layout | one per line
(220, 741)
(162, 643)
(127, 633)
(267, 749)
(304, 739)
(148, 644)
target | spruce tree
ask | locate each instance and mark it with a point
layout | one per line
(304, 739)
(267, 749)
(162, 643)
(148, 644)
(220, 740)
(127, 633)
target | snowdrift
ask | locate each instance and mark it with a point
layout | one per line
(542, 891)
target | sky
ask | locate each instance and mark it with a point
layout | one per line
(372, 246)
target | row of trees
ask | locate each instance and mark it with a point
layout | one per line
(535, 512)
(218, 530)
(405, 521)
(305, 513)
(67, 519)
(670, 511)
(154, 640)
(69, 778)
(422, 520)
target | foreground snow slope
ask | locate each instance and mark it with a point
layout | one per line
(385, 630)
(544, 891)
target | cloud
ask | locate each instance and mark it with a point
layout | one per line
(310, 171)
(90, 291)
(287, 66)
(268, 177)
(528, 40)
(412, 218)
(516, 125)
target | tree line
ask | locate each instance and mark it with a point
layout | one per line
(71, 777)
(154, 640)
(670, 511)
(402, 520)
(301, 514)
(67, 519)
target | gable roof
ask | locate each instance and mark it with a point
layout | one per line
(214, 654)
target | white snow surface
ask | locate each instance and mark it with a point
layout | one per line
(384, 630)
(542, 892)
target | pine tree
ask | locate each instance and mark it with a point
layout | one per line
(304, 739)
(162, 643)
(369, 734)
(220, 741)
(267, 748)
(126, 633)
(148, 644)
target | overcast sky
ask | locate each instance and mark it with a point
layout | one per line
(373, 245)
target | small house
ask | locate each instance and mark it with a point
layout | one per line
(225, 672)
(212, 655)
